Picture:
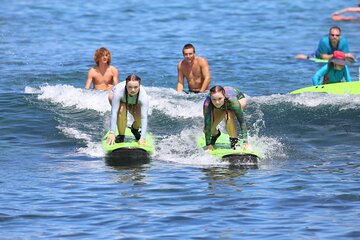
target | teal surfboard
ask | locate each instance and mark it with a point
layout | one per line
(333, 88)
(128, 152)
(239, 158)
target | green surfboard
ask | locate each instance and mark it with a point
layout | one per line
(128, 152)
(239, 158)
(333, 88)
(319, 60)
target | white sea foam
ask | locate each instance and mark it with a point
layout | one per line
(166, 100)
(69, 96)
(92, 149)
(175, 104)
(180, 148)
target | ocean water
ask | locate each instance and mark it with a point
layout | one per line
(55, 183)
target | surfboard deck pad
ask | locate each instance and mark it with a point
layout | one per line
(333, 88)
(319, 60)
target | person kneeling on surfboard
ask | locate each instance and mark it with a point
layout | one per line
(224, 103)
(129, 96)
(334, 71)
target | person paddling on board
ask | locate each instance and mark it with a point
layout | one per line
(224, 103)
(129, 96)
(335, 16)
(195, 69)
(328, 44)
(334, 71)
(103, 76)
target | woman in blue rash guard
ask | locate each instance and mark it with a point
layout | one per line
(224, 103)
(334, 71)
(129, 96)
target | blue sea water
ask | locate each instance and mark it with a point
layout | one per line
(54, 182)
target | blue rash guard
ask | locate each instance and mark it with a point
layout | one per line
(119, 96)
(326, 48)
(232, 97)
(334, 75)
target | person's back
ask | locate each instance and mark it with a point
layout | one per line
(334, 71)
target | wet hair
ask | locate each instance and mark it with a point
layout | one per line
(99, 53)
(216, 89)
(130, 78)
(335, 27)
(188, 46)
(133, 77)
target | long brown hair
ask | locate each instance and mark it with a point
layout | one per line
(216, 89)
(132, 77)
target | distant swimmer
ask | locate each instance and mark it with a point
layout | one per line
(328, 44)
(195, 69)
(336, 17)
(129, 96)
(224, 103)
(103, 76)
(334, 71)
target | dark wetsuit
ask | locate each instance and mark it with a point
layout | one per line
(232, 97)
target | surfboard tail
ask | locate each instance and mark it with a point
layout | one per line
(241, 161)
(127, 157)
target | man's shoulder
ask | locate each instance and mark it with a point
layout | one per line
(324, 39)
(202, 61)
(199, 58)
(324, 45)
(343, 40)
(92, 70)
(182, 64)
(113, 69)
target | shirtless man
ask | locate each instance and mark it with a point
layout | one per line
(103, 76)
(195, 69)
